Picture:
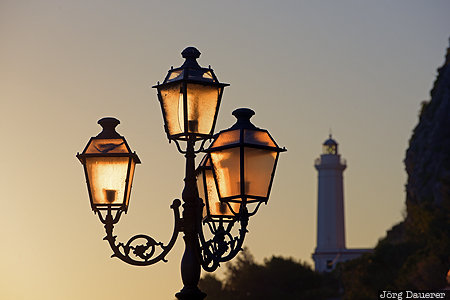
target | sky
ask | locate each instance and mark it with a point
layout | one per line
(359, 68)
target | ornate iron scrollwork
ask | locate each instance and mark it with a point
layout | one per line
(140, 249)
(223, 246)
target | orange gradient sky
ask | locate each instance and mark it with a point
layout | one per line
(361, 68)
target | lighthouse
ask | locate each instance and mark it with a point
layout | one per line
(330, 247)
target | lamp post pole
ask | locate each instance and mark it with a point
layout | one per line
(190, 263)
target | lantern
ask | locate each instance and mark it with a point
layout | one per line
(330, 146)
(190, 98)
(213, 209)
(109, 168)
(244, 160)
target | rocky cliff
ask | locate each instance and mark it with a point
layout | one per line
(428, 157)
(415, 254)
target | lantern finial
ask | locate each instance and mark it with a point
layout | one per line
(243, 116)
(190, 54)
(109, 128)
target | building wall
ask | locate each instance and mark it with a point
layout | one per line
(327, 261)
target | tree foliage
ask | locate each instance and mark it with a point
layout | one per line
(276, 278)
(417, 257)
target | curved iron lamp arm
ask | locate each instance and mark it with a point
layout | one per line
(200, 149)
(144, 252)
(222, 247)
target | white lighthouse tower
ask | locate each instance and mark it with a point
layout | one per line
(330, 248)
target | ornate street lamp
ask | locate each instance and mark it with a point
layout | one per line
(236, 174)
(213, 209)
(190, 98)
(233, 174)
(109, 168)
(244, 159)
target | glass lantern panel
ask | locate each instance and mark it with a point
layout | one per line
(175, 75)
(105, 146)
(258, 168)
(172, 105)
(202, 101)
(130, 183)
(217, 208)
(107, 177)
(201, 75)
(258, 137)
(222, 209)
(227, 138)
(330, 149)
(226, 164)
(208, 75)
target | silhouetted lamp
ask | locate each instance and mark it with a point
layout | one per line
(237, 170)
(190, 98)
(109, 167)
(244, 159)
(214, 209)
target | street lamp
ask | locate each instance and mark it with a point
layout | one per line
(109, 168)
(213, 209)
(243, 160)
(236, 171)
(190, 98)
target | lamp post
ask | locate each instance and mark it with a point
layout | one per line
(236, 172)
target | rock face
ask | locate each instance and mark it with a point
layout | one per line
(415, 254)
(427, 224)
(428, 157)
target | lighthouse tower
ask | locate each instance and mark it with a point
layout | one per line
(330, 248)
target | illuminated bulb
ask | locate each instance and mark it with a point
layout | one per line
(110, 195)
(222, 208)
(181, 112)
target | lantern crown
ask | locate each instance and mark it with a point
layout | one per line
(108, 142)
(245, 134)
(191, 71)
